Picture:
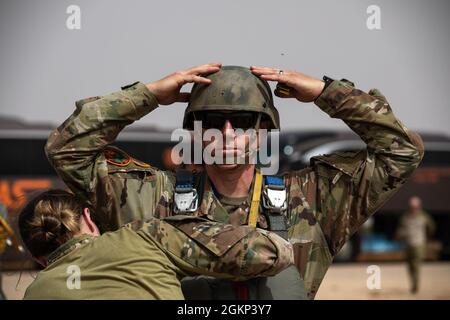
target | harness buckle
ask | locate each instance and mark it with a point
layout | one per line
(186, 201)
(274, 194)
(185, 195)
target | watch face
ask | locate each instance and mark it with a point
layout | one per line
(327, 81)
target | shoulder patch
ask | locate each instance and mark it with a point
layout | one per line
(140, 163)
(117, 157)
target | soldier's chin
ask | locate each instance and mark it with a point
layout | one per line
(226, 167)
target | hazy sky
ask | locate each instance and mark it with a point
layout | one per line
(45, 67)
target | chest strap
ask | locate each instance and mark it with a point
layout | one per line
(269, 197)
(256, 197)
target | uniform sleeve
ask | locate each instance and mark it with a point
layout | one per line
(75, 149)
(347, 188)
(199, 246)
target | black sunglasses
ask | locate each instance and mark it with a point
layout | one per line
(216, 120)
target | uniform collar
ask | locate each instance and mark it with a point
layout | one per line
(210, 187)
(211, 205)
(225, 199)
(69, 246)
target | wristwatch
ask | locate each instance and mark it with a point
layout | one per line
(327, 81)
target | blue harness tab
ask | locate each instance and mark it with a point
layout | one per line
(184, 180)
(273, 181)
(274, 194)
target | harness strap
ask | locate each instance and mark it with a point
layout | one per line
(256, 197)
(275, 204)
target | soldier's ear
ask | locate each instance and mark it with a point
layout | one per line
(93, 229)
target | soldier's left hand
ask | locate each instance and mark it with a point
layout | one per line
(302, 87)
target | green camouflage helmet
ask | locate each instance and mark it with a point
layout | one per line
(233, 88)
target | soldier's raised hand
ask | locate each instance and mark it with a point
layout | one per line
(302, 87)
(167, 90)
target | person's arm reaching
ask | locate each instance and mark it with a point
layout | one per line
(199, 246)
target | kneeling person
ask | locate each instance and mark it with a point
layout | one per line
(142, 260)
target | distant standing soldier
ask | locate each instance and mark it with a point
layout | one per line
(413, 228)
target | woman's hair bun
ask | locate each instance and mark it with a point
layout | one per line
(49, 220)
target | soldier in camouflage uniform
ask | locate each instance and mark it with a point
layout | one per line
(326, 203)
(414, 227)
(141, 260)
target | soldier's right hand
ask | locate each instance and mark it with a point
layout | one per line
(167, 90)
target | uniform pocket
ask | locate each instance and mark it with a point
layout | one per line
(217, 237)
(345, 162)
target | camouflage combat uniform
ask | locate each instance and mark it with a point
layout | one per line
(146, 260)
(327, 202)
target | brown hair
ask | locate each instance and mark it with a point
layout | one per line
(49, 220)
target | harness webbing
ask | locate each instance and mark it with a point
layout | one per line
(256, 197)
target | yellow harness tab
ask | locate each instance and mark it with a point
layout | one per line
(254, 207)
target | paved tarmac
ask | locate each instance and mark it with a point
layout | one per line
(343, 281)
